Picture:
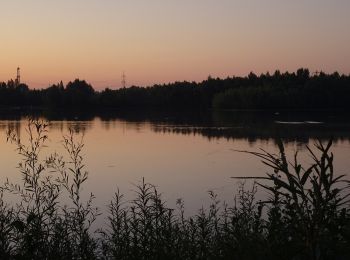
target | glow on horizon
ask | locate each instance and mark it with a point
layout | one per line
(162, 41)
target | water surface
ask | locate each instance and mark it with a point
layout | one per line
(185, 155)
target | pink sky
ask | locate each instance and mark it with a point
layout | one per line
(163, 41)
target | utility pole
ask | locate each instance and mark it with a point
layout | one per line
(123, 80)
(18, 78)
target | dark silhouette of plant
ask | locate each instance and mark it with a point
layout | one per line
(309, 212)
(306, 215)
(146, 229)
(43, 227)
(288, 90)
(79, 94)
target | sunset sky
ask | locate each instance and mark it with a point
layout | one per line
(159, 41)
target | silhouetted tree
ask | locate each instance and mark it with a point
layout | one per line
(288, 90)
(79, 93)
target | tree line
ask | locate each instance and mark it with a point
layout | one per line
(288, 90)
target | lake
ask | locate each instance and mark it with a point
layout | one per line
(184, 154)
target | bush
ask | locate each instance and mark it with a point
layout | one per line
(40, 227)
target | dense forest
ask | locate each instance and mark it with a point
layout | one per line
(296, 90)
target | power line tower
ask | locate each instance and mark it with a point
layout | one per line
(123, 80)
(18, 78)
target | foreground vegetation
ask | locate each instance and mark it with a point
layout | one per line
(306, 216)
(289, 90)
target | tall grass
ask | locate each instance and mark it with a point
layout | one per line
(306, 215)
(308, 208)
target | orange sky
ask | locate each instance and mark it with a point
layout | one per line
(162, 41)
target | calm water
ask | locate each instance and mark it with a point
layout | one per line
(183, 155)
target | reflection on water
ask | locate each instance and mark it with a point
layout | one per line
(184, 154)
(249, 125)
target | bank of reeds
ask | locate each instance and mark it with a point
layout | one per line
(306, 215)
